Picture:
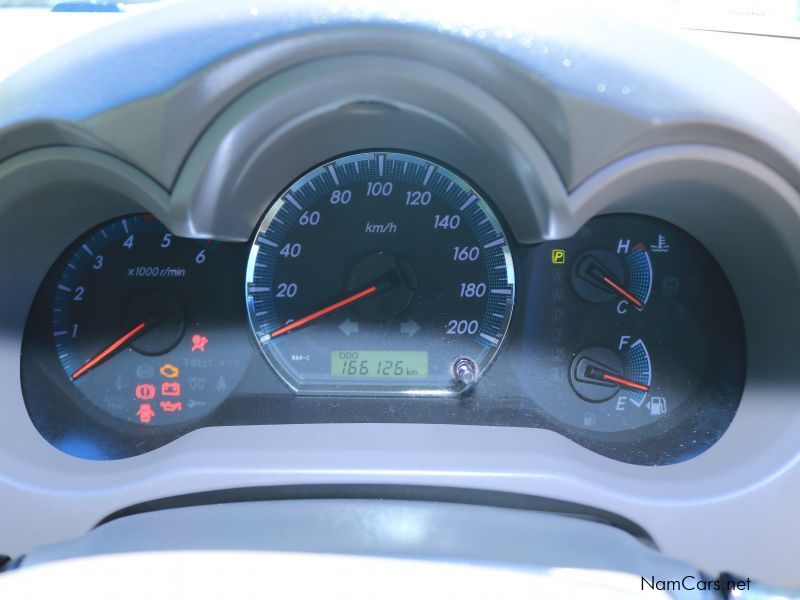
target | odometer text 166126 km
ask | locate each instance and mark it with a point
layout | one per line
(380, 272)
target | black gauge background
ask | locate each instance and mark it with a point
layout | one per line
(502, 398)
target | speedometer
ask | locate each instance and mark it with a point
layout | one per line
(380, 272)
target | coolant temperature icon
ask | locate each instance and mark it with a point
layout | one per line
(661, 246)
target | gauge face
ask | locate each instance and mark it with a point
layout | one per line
(632, 323)
(380, 272)
(132, 323)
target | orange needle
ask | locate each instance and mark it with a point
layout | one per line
(625, 382)
(104, 354)
(323, 311)
(625, 293)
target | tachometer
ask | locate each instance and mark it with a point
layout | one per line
(136, 324)
(380, 272)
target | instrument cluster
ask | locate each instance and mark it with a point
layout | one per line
(383, 286)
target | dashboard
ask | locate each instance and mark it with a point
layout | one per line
(351, 247)
(382, 287)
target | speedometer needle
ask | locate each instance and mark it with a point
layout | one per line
(109, 350)
(323, 311)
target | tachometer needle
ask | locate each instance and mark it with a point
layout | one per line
(622, 291)
(323, 311)
(109, 351)
(626, 382)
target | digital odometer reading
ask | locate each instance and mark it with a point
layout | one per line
(379, 363)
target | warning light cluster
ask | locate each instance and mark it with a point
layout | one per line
(170, 390)
(146, 392)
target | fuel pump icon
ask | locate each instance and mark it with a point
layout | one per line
(658, 406)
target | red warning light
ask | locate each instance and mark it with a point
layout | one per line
(199, 342)
(145, 391)
(168, 406)
(170, 388)
(145, 413)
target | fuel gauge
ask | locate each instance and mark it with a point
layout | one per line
(630, 324)
(598, 373)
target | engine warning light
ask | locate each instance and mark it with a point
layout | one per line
(170, 388)
(169, 370)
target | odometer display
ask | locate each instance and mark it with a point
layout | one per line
(387, 252)
(379, 363)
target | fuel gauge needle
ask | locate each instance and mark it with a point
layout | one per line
(109, 351)
(625, 382)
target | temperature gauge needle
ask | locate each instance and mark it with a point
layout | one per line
(625, 382)
(622, 291)
(109, 350)
(323, 311)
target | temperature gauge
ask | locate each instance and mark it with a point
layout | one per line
(625, 276)
(630, 324)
